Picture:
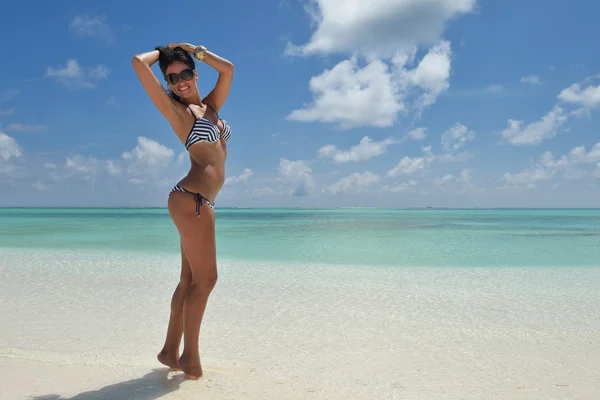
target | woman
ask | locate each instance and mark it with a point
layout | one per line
(195, 120)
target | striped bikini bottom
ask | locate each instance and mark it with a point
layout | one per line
(198, 198)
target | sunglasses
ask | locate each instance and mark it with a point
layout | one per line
(186, 75)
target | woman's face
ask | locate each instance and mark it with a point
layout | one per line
(181, 79)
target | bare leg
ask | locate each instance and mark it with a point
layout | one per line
(170, 351)
(198, 241)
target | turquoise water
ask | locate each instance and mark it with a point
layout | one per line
(345, 236)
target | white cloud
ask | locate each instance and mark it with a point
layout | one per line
(454, 157)
(387, 34)
(417, 134)
(548, 167)
(495, 88)
(379, 28)
(354, 182)
(462, 183)
(149, 152)
(84, 165)
(99, 72)
(400, 186)
(580, 155)
(112, 168)
(465, 180)
(587, 97)
(352, 96)
(297, 175)
(149, 163)
(596, 173)
(536, 132)
(443, 181)
(412, 165)
(263, 191)
(92, 26)
(183, 156)
(243, 177)
(147, 160)
(428, 80)
(18, 127)
(570, 165)
(9, 95)
(531, 80)
(9, 148)
(528, 177)
(374, 94)
(40, 186)
(407, 166)
(453, 142)
(365, 150)
(74, 76)
(455, 138)
(10, 152)
(6, 112)
(108, 181)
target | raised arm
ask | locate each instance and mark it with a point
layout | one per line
(225, 69)
(163, 102)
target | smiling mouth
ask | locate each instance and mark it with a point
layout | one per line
(184, 88)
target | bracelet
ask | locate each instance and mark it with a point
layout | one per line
(199, 52)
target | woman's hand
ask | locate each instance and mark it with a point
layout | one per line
(186, 46)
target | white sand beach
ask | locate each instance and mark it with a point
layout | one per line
(81, 326)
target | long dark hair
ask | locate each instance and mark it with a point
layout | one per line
(167, 56)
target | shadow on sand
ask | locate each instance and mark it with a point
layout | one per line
(150, 386)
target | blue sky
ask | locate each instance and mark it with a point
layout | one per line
(406, 103)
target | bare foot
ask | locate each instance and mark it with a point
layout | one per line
(192, 370)
(170, 360)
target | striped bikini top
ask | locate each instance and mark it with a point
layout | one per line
(205, 131)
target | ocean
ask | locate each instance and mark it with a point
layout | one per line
(395, 238)
(309, 304)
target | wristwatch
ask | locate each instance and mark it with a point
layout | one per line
(199, 53)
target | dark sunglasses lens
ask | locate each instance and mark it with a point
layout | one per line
(186, 74)
(172, 78)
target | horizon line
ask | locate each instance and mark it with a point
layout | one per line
(319, 208)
